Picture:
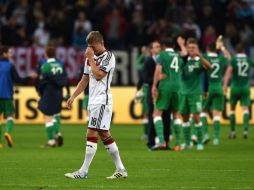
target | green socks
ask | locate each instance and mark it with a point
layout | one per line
(57, 124)
(159, 129)
(204, 123)
(187, 133)
(216, 124)
(50, 130)
(246, 117)
(9, 125)
(177, 130)
(146, 126)
(232, 121)
(198, 129)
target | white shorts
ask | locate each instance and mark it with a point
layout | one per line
(99, 116)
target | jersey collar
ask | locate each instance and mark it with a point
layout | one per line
(169, 49)
(240, 55)
(212, 54)
(195, 58)
(51, 60)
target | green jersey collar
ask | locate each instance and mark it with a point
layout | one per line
(51, 60)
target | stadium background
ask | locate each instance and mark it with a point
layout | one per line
(27, 26)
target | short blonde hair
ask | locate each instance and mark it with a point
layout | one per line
(192, 41)
(94, 37)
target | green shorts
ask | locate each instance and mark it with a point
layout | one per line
(191, 103)
(242, 94)
(85, 102)
(6, 107)
(167, 99)
(144, 99)
(214, 101)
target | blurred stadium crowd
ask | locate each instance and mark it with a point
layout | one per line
(124, 23)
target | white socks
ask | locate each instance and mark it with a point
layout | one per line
(113, 151)
(90, 152)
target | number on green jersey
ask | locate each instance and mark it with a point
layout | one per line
(243, 69)
(174, 64)
(216, 68)
(56, 69)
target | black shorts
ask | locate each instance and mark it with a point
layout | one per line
(51, 101)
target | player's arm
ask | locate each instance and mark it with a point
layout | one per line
(96, 70)
(79, 89)
(156, 78)
(181, 42)
(21, 80)
(206, 64)
(227, 78)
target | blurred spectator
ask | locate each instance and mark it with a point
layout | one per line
(20, 12)
(79, 38)
(41, 34)
(82, 22)
(114, 28)
(209, 36)
(191, 29)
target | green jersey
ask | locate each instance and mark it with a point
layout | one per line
(172, 65)
(191, 76)
(51, 67)
(241, 70)
(215, 73)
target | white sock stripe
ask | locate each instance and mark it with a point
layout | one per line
(202, 114)
(145, 121)
(157, 118)
(91, 143)
(216, 118)
(49, 124)
(177, 121)
(111, 147)
(232, 112)
(198, 124)
(246, 112)
(186, 124)
(10, 118)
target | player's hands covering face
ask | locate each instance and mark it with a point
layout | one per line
(89, 53)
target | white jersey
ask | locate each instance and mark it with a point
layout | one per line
(99, 91)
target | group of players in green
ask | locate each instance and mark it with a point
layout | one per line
(177, 86)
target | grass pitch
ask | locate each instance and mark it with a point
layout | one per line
(26, 166)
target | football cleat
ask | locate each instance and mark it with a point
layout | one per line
(177, 148)
(216, 141)
(245, 134)
(200, 147)
(232, 135)
(9, 139)
(159, 147)
(76, 175)
(206, 139)
(59, 140)
(119, 174)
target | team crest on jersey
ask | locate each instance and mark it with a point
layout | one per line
(192, 67)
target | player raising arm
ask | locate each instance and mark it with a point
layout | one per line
(99, 68)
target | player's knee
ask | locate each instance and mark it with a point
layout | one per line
(245, 112)
(108, 140)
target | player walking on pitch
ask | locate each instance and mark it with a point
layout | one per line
(99, 68)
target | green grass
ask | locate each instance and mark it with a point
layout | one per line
(26, 166)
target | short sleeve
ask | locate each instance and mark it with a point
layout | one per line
(158, 59)
(86, 70)
(108, 63)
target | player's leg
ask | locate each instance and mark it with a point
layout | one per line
(112, 149)
(233, 101)
(162, 103)
(195, 109)
(9, 111)
(203, 117)
(245, 103)
(49, 124)
(145, 111)
(185, 112)
(91, 148)
(217, 107)
(57, 127)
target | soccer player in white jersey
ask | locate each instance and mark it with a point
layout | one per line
(99, 68)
